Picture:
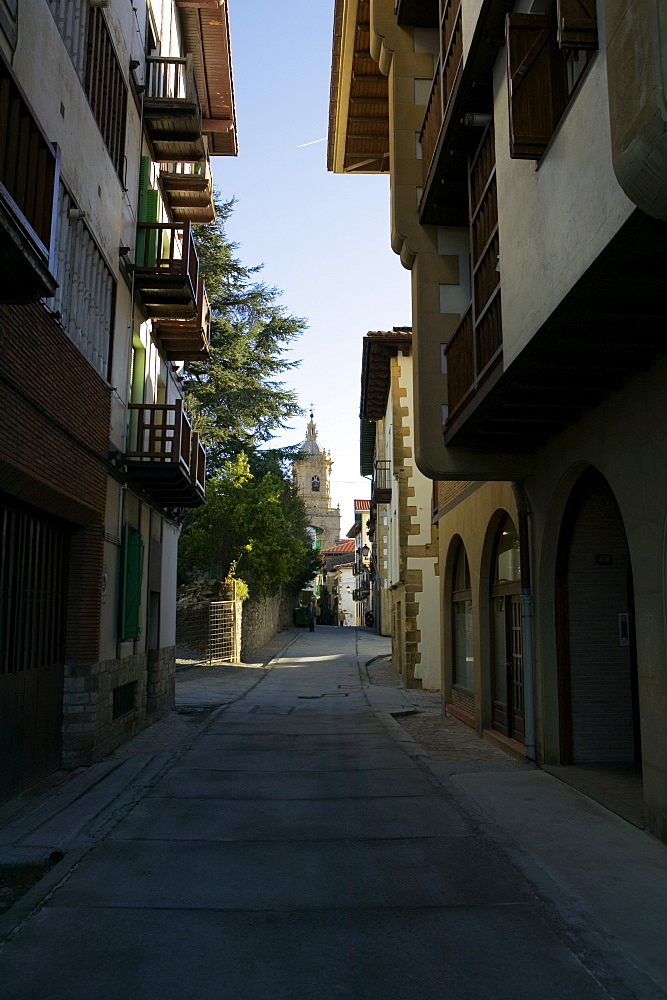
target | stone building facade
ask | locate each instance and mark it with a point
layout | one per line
(405, 542)
(311, 469)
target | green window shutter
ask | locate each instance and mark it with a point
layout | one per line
(148, 212)
(143, 188)
(132, 564)
(151, 216)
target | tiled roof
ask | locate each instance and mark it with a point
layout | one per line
(362, 505)
(342, 547)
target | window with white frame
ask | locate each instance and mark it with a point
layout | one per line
(84, 299)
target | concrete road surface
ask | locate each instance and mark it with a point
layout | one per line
(296, 850)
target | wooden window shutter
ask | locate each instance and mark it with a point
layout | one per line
(132, 565)
(533, 98)
(577, 24)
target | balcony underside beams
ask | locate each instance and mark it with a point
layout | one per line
(591, 344)
(168, 483)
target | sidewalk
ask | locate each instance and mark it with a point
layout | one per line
(44, 831)
(596, 868)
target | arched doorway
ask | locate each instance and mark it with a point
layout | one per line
(463, 656)
(507, 706)
(597, 666)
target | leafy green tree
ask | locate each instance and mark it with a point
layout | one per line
(236, 398)
(253, 525)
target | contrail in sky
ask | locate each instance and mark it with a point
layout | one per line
(311, 143)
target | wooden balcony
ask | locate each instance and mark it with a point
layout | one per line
(605, 330)
(381, 484)
(184, 339)
(165, 457)
(188, 190)
(472, 354)
(467, 89)
(172, 111)
(166, 270)
(29, 172)
(444, 82)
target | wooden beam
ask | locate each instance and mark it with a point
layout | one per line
(369, 100)
(371, 136)
(216, 125)
(367, 119)
(368, 77)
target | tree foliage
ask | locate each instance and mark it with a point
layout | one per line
(253, 524)
(236, 398)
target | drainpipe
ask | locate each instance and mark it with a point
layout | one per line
(523, 512)
(637, 84)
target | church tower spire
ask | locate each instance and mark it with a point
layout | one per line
(311, 469)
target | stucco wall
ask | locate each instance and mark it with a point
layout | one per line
(554, 218)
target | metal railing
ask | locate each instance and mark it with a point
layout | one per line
(223, 643)
(381, 484)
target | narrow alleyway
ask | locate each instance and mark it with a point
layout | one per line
(302, 847)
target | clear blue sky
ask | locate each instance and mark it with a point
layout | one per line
(323, 238)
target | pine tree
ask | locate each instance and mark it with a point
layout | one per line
(236, 398)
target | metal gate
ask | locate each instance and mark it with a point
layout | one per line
(33, 582)
(224, 632)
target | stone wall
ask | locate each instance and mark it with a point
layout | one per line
(90, 730)
(192, 626)
(264, 617)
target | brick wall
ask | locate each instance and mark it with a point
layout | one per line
(39, 461)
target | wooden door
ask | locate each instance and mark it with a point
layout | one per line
(33, 580)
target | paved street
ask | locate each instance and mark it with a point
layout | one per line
(299, 843)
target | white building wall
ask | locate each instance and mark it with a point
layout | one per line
(572, 195)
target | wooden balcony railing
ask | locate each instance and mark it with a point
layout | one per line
(166, 269)
(187, 340)
(452, 51)
(161, 432)
(444, 80)
(188, 189)
(432, 123)
(172, 112)
(477, 344)
(170, 78)
(472, 352)
(166, 247)
(29, 170)
(460, 362)
(165, 455)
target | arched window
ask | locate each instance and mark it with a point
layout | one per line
(315, 484)
(506, 639)
(464, 660)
